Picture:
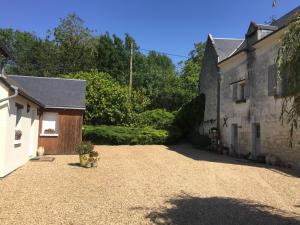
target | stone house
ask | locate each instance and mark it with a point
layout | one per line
(244, 95)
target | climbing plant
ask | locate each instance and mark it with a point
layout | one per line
(288, 63)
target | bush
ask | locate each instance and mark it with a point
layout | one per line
(107, 101)
(158, 119)
(190, 115)
(85, 147)
(117, 135)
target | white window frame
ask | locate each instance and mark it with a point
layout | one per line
(49, 121)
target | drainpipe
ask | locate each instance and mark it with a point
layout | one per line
(218, 99)
(13, 87)
(219, 144)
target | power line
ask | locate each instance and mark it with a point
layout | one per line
(165, 53)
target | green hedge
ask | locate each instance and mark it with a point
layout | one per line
(157, 118)
(117, 135)
(190, 115)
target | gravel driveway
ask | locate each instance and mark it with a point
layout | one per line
(150, 185)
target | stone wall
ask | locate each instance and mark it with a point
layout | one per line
(209, 87)
(259, 107)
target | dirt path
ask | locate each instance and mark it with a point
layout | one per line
(150, 185)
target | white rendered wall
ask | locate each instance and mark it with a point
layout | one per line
(13, 156)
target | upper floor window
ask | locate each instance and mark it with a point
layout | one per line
(239, 92)
(49, 123)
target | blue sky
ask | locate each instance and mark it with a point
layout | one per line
(163, 25)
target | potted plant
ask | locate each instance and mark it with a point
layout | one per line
(94, 157)
(18, 134)
(84, 150)
(50, 131)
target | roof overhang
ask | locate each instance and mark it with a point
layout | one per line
(66, 108)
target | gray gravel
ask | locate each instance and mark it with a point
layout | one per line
(149, 185)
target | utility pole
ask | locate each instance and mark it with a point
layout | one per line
(130, 69)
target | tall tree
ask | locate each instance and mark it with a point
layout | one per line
(190, 71)
(33, 55)
(76, 45)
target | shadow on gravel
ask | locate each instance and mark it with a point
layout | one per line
(189, 151)
(75, 165)
(189, 210)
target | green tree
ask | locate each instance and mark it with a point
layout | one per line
(289, 71)
(107, 101)
(112, 57)
(33, 56)
(189, 75)
(76, 45)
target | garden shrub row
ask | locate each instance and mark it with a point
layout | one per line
(157, 118)
(154, 127)
(118, 135)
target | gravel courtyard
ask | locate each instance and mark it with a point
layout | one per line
(150, 185)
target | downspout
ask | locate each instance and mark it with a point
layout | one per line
(218, 99)
(219, 144)
(13, 87)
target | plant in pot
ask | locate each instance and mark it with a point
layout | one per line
(94, 157)
(84, 150)
(50, 131)
(18, 134)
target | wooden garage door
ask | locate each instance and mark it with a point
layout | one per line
(70, 131)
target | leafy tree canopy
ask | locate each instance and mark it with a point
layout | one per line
(288, 62)
(71, 47)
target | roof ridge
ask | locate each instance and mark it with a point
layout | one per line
(50, 78)
(236, 39)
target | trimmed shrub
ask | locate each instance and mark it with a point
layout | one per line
(190, 115)
(107, 101)
(157, 118)
(86, 147)
(117, 135)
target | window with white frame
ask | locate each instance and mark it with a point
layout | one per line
(49, 123)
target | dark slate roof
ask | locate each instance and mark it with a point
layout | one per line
(53, 92)
(225, 47)
(284, 20)
(275, 26)
(21, 91)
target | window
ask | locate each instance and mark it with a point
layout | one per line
(18, 132)
(28, 108)
(242, 92)
(49, 124)
(239, 92)
(19, 109)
